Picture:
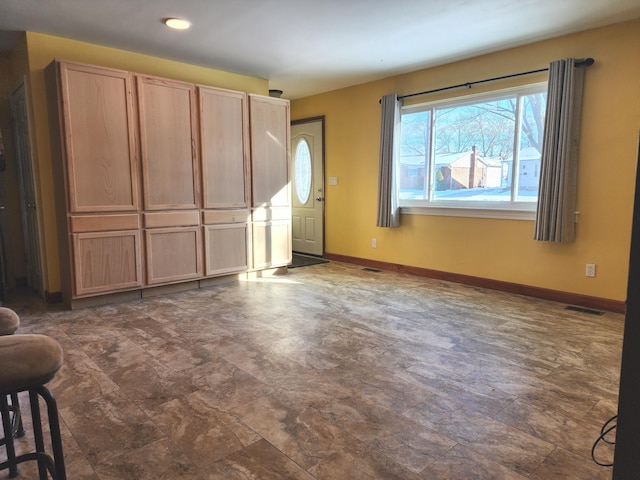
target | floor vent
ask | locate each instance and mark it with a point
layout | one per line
(583, 310)
(369, 269)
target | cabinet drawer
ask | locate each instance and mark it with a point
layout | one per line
(268, 214)
(171, 219)
(103, 223)
(211, 217)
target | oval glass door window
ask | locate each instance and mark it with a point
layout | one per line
(302, 171)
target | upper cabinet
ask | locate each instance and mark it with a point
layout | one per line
(225, 158)
(98, 138)
(168, 143)
(269, 126)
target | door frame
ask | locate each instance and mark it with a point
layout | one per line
(321, 119)
(35, 185)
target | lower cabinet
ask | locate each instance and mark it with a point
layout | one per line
(173, 245)
(106, 261)
(226, 240)
(114, 253)
(271, 244)
(225, 248)
(271, 237)
(173, 254)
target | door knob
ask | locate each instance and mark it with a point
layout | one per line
(319, 199)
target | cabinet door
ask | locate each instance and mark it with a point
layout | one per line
(269, 129)
(99, 139)
(168, 143)
(225, 248)
(271, 244)
(106, 261)
(223, 140)
(173, 254)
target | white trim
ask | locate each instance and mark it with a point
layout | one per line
(502, 214)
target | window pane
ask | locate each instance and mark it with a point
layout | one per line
(480, 151)
(414, 150)
(533, 109)
(302, 171)
(473, 151)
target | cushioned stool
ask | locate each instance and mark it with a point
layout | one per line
(28, 362)
(9, 323)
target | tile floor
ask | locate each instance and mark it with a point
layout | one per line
(331, 372)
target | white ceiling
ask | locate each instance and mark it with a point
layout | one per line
(311, 46)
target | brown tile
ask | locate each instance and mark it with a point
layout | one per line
(562, 465)
(460, 463)
(408, 443)
(501, 443)
(200, 429)
(109, 422)
(331, 372)
(576, 436)
(159, 460)
(259, 461)
(301, 434)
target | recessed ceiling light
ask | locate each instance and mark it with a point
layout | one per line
(177, 23)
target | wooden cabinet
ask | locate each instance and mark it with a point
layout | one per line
(157, 177)
(106, 261)
(225, 186)
(96, 170)
(107, 252)
(170, 173)
(271, 202)
(98, 136)
(225, 248)
(173, 246)
(168, 143)
(225, 156)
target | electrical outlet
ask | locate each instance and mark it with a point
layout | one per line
(590, 270)
(374, 243)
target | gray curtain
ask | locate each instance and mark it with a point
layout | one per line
(555, 216)
(388, 210)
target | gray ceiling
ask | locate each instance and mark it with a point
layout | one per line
(311, 46)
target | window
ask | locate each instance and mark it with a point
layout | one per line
(302, 171)
(474, 153)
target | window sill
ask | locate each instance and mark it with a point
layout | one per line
(503, 214)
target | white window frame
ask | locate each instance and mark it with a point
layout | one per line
(516, 210)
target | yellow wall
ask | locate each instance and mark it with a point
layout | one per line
(41, 50)
(497, 249)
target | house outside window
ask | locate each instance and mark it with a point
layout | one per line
(478, 153)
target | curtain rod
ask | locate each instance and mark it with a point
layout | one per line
(585, 62)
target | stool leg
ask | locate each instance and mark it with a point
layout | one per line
(37, 433)
(8, 436)
(18, 427)
(54, 426)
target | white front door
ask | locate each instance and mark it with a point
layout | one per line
(307, 186)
